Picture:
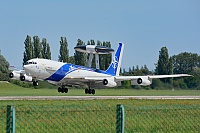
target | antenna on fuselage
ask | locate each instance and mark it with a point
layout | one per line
(93, 50)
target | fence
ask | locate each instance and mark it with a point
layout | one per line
(100, 118)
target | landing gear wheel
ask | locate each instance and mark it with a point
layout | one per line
(59, 89)
(93, 91)
(35, 83)
(89, 91)
(86, 91)
(63, 89)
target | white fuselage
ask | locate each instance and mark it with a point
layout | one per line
(56, 71)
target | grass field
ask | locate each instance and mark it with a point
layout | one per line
(100, 115)
(7, 89)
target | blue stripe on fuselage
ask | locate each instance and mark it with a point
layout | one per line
(61, 72)
(68, 68)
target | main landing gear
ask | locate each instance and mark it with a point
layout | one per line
(62, 89)
(35, 83)
(90, 91)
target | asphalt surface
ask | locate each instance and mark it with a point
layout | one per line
(92, 97)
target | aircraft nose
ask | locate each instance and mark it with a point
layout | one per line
(26, 67)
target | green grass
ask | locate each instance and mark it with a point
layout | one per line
(8, 89)
(100, 115)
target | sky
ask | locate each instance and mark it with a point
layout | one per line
(144, 26)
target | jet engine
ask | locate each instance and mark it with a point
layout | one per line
(18, 76)
(14, 75)
(109, 83)
(141, 81)
(26, 78)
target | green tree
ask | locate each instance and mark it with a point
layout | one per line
(108, 57)
(79, 57)
(129, 70)
(71, 60)
(48, 56)
(91, 42)
(193, 82)
(137, 68)
(64, 52)
(126, 84)
(37, 47)
(162, 65)
(46, 52)
(170, 69)
(145, 70)
(165, 64)
(185, 62)
(28, 53)
(4, 68)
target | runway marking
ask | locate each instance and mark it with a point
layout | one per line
(92, 97)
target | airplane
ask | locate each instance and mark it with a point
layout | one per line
(66, 74)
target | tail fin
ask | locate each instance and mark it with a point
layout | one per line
(115, 65)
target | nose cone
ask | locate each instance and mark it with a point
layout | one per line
(27, 68)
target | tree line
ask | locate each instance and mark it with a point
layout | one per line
(4, 68)
(37, 49)
(188, 63)
(182, 63)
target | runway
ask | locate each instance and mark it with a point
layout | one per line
(92, 97)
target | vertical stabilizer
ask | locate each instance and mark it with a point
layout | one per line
(115, 65)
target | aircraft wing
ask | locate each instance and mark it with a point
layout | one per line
(169, 76)
(146, 80)
(95, 78)
(99, 82)
(122, 78)
(82, 81)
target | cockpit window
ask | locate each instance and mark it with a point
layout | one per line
(31, 62)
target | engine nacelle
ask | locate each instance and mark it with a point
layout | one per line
(18, 76)
(14, 75)
(109, 83)
(141, 81)
(26, 78)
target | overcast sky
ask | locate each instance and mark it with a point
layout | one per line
(144, 26)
